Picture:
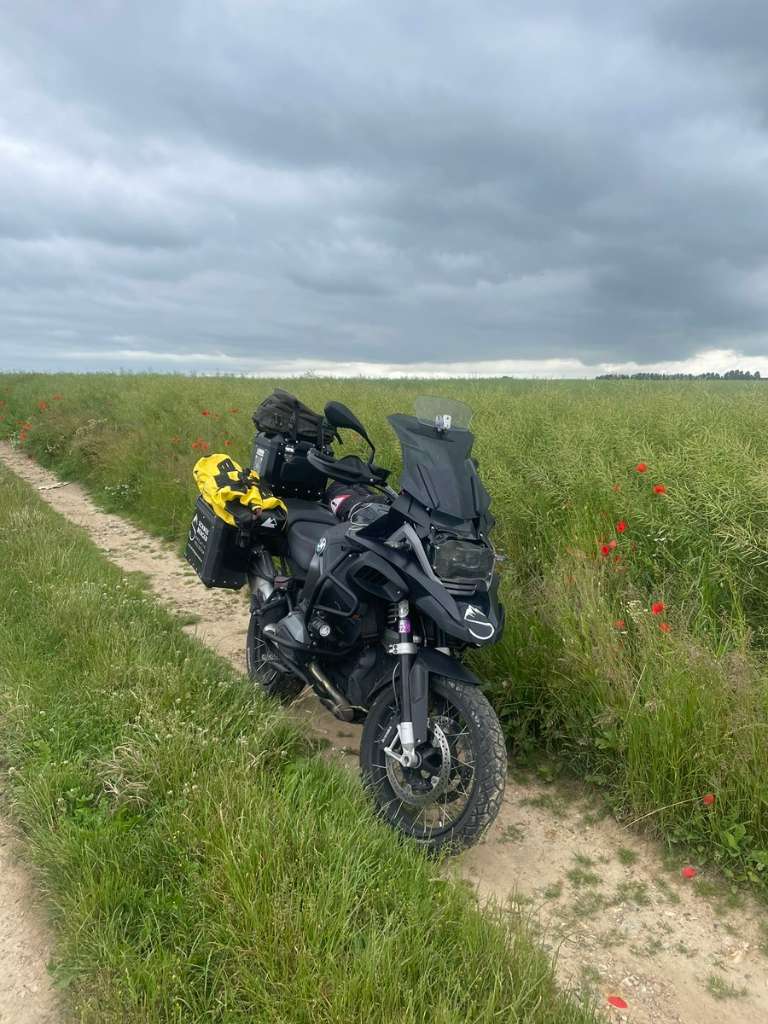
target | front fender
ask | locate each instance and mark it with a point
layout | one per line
(436, 663)
(429, 662)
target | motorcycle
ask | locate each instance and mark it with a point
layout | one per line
(376, 613)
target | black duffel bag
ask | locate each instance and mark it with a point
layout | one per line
(283, 413)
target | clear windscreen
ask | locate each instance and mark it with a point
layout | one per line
(433, 411)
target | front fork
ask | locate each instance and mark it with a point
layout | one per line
(414, 692)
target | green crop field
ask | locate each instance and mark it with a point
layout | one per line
(203, 863)
(633, 517)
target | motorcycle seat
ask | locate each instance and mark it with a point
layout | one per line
(307, 522)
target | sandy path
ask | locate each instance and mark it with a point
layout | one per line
(26, 993)
(624, 922)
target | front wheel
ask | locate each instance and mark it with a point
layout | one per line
(451, 799)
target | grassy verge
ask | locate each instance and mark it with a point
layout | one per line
(613, 499)
(202, 862)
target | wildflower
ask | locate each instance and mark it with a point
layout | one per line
(665, 627)
(618, 1002)
(612, 544)
(641, 467)
(205, 412)
(658, 607)
(175, 439)
(200, 445)
(227, 441)
(659, 489)
(689, 872)
(23, 435)
(708, 799)
(621, 526)
(42, 406)
(617, 558)
(619, 624)
(604, 549)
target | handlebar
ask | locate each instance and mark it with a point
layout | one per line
(348, 470)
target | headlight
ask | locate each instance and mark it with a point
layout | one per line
(462, 560)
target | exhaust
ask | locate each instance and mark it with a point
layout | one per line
(337, 703)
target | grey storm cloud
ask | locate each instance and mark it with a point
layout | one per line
(385, 183)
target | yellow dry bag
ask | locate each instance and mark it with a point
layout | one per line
(231, 491)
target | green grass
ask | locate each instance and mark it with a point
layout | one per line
(202, 863)
(722, 989)
(658, 719)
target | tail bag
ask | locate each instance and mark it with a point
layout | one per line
(283, 413)
(232, 492)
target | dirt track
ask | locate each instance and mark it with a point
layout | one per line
(625, 923)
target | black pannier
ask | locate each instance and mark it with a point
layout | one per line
(216, 550)
(287, 430)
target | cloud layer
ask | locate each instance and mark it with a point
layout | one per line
(560, 185)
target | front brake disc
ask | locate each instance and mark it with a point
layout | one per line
(438, 783)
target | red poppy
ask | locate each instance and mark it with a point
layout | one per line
(708, 799)
(621, 526)
(618, 1002)
(619, 624)
(200, 445)
(617, 558)
(23, 435)
(227, 441)
(604, 549)
(205, 413)
(665, 627)
(689, 872)
(612, 544)
(659, 489)
(641, 467)
(658, 607)
(42, 406)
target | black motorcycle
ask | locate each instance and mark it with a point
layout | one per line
(375, 614)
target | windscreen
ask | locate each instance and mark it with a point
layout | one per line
(432, 410)
(437, 467)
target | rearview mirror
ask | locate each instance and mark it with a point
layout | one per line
(339, 415)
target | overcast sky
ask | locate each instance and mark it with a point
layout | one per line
(538, 188)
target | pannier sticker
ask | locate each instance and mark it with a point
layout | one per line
(198, 528)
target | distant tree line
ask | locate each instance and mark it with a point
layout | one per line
(728, 375)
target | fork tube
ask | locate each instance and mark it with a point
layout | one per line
(406, 650)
